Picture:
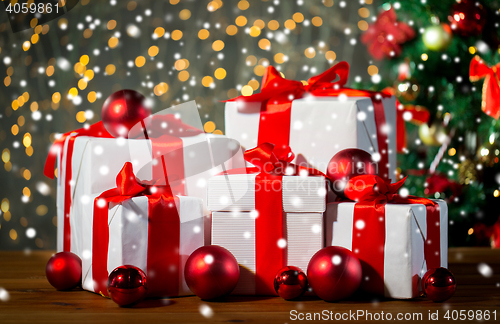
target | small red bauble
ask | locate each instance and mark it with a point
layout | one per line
(64, 270)
(122, 110)
(290, 282)
(334, 273)
(211, 272)
(439, 284)
(127, 285)
(347, 164)
(467, 18)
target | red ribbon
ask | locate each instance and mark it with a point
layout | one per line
(270, 225)
(371, 194)
(163, 234)
(491, 87)
(164, 132)
(56, 150)
(277, 94)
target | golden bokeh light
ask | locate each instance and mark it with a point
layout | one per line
(231, 30)
(153, 51)
(140, 61)
(159, 31)
(241, 21)
(243, 5)
(254, 84)
(310, 52)
(218, 45)
(92, 96)
(184, 14)
(110, 69)
(298, 17)
(209, 126)
(183, 76)
(220, 73)
(203, 34)
(246, 90)
(372, 70)
(113, 42)
(265, 44)
(207, 81)
(362, 25)
(273, 25)
(254, 31)
(290, 24)
(317, 21)
(80, 117)
(330, 56)
(176, 35)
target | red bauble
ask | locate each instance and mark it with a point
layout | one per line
(439, 284)
(468, 18)
(127, 285)
(211, 272)
(334, 273)
(64, 270)
(347, 164)
(290, 282)
(122, 110)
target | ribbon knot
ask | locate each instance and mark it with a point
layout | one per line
(372, 188)
(266, 159)
(491, 87)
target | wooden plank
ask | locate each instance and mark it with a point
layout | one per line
(32, 299)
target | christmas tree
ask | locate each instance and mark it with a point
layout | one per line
(450, 148)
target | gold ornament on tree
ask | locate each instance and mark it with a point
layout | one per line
(437, 37)
(434, 134)
(467, 172)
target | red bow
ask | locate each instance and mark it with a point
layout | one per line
(127, 186)
(366, 188)
(491, 87)
(276, 90)
(266, 160)
(385, 36)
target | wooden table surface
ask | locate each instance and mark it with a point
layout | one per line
(32, 299)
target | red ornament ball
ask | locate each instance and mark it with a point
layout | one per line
(290, 282)
(467, 18)
(64, 270)
(211, 272)
(347, 164)
(127, 285)
(439, 284)
(122, 110)
(334, 273)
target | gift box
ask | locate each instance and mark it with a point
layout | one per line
(316, 119)
(89, 160)
(396, 241)
(268, 220)
(143, 226)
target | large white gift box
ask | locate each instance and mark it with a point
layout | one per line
(130, 243)
(407, 228)
(319, 127)
(295, 233)
(96, 161)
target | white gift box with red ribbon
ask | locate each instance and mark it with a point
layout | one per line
(316, 119)
(406, 231)
(233, 200)
(129, 229)
(95, 161)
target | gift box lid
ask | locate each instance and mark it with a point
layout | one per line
(236, 192)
